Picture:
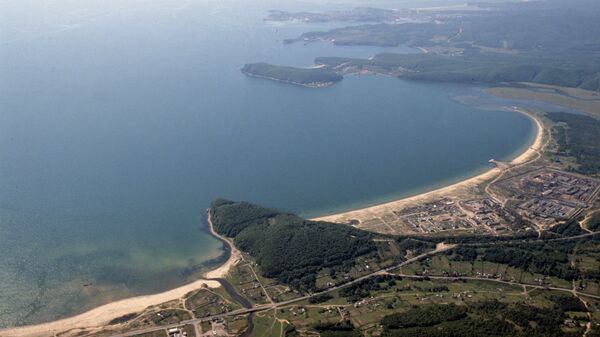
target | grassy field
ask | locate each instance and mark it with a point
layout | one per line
(236, 325)
(247, 284)
(579, 99)
(267, 325)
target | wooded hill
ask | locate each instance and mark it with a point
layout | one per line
(301, 76)
(287, 247)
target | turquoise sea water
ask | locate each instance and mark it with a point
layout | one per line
(119, 124)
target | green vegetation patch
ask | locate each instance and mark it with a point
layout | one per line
(427, 315)
(568, 228)
(488, 318)
(341, 329)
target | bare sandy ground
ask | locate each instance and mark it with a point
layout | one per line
(458, 188)
(100, 316)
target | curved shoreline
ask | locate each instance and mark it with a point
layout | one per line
(100, 316)
(531, 151)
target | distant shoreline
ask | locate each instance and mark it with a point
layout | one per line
(101, 315)
(530, 151)
(316, 85)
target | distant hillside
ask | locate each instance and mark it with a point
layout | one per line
(551, 26)
(479, 69)
(548, 42)
(309, 77)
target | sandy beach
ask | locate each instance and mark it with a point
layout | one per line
(100, 316)
(463, 186)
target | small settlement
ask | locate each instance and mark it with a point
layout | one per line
(535, 199)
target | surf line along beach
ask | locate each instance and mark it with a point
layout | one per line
(102, 315)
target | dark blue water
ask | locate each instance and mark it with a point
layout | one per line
(119, 124)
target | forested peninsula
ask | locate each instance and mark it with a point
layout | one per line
(307, 77)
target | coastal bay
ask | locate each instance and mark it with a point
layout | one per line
(136, 155)
(100, 316)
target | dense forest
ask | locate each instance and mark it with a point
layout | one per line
(341, 329)
(578, 136)
(568, 228)
(287, 247)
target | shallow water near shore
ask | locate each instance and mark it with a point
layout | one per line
(119, 126)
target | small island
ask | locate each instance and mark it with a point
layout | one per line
(307, 77)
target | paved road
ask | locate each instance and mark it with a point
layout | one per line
(384, 271)
(519, 241)
(284, 303)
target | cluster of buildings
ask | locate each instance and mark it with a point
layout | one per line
(543, 211)
(548, 196)
(539, 198)
(446, 214)
(440, 215)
